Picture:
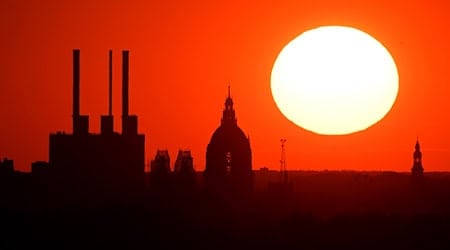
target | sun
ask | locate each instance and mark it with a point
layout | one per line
(334, 80)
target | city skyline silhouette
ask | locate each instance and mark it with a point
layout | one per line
(100, 180)
(184, 58)
(84, 153)
(81, 124)
(154, 125)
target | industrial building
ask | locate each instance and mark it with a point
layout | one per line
(109, 161)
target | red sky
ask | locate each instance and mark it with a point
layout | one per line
(183, 54)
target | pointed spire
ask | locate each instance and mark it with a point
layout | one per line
(229, 116)
(417, 169)
(229, 100)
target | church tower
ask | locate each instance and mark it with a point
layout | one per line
(229, 116)
(417, 168)
(228, 155)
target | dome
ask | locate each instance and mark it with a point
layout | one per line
(228, 153)
(229, 136)
(229, 147)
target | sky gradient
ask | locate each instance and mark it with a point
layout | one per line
(184, 54)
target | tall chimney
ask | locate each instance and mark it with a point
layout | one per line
(125, 54)
(129, 123)
(76, 88)
(110, 83)
(107, 121)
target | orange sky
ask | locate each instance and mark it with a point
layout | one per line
(183, 54)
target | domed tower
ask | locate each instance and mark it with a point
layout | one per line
(417, 169)
(228, 155)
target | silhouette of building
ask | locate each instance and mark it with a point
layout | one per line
(6, 166)
(417, 168)
(184, 173)
(160, 174)
(40, 168)
(184, 164)
(228, 155)
(108, 160)
(161, 164)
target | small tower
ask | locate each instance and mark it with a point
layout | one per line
(283, 188)
(229, 115)
(283, 171)
(417, 168)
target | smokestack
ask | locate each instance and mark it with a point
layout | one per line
(129, 123)
(76, 88)
(110, 83)
(125, 54)
(107, 122)
(80, 123)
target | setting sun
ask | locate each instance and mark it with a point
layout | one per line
(334, 80)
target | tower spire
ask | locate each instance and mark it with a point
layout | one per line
(229, 116)
(417, 169)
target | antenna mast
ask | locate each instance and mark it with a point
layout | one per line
(283, 171)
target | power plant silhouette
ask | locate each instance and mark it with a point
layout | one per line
(104, 160)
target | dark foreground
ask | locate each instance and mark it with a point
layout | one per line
(341, 210)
